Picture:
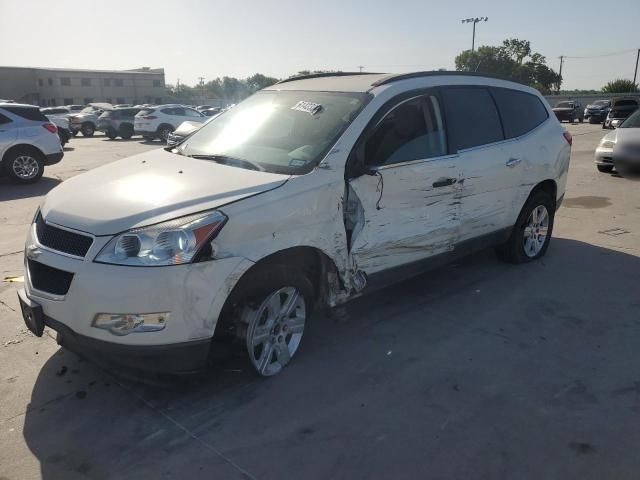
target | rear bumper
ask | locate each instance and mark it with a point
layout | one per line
(173, 359)
(53, 158)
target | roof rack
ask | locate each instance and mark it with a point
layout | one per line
(435, 73)
(326, 74)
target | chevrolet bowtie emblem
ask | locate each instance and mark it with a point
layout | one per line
(32, 252)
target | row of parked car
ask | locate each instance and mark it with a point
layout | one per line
(150, 121)
(611, 113)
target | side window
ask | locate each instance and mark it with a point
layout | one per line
(168, 111)
(413, 130)
(191, 113)
(521, 112)
(4, 119)
(472, 118)
(179, 111)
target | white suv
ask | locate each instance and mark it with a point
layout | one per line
(160, 121)
(309, 193)
(28, 142)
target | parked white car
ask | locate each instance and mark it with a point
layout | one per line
(160, 121)
(309, 193)
(28, 142)
(60, 117)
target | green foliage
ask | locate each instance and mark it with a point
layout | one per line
(229, 89)
(512, 60)
(620, 85)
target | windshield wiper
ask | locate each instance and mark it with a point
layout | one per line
(226, 160)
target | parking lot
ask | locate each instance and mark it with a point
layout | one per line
(477, 370)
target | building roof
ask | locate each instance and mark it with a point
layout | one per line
(150, 71)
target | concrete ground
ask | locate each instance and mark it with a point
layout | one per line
(476, 370)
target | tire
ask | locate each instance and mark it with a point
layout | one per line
(126, 131)
(74, 133)
(254, 310)
(24, 166)
(112, 134)
(515, 249)
(164, 131)
(581, 119)
(605, 168)
(87, 129)
(604, 126)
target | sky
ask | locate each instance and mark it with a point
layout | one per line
(198, 38)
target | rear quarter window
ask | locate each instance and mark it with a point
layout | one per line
(521, 112)
(4, 119)
(28, 113)
(471, 116)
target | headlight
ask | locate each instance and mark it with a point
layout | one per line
(607, 143)
(169, 243)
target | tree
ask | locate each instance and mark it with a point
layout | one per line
(512, 60)
(258, 82)
(620, 85)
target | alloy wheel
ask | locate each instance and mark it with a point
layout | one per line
(275, 329)
(25, 167)
(535, 231)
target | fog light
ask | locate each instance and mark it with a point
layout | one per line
(126, 323)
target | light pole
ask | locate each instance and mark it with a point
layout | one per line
(474, 20)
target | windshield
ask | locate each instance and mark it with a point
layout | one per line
(564, 105)
(281, 132)
(633, 121)
(601, 103)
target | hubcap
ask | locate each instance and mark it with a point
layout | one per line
(25, 167)
(536, 230)
(275, 329)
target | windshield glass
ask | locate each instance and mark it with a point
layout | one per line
(565, 105)
(633, 121)
(601, 103)
(281, 132)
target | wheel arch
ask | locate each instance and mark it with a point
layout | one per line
(313, 262)
(24, 147)
(549, 186)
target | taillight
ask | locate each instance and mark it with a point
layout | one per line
(567, 136)
(149, 117)
(51, 127)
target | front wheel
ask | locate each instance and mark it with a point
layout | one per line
(605, 168)
(164, 132)
(273, 308)
(531, 234)
(88, 129)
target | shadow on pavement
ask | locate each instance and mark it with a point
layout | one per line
(12, 191)
(476, 370)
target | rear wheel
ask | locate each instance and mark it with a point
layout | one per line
(87, 129)
(605, 168)
(126, 131)
(270, 314)
(24, 166)
(112, 134)
(531, 234)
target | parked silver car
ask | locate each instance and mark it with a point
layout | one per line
(86, 120)
(28, 142)
(117, 122)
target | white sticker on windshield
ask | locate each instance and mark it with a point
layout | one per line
(307, 107)
(297, 163)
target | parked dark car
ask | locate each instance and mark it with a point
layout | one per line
(621, 108)
(569, 111)
(597, 111)
(117, 122)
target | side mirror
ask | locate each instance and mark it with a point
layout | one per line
(357, 163)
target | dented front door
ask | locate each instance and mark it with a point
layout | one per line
(405, 213)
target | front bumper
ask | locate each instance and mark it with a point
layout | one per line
(604, 156)
(194, 294)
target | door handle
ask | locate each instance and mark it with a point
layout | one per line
(512, 162)
(444, 182)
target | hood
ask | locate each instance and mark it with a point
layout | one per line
(596, 107)
(625, 135)
(150, 188)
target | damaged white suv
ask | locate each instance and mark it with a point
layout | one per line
(311, 192)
